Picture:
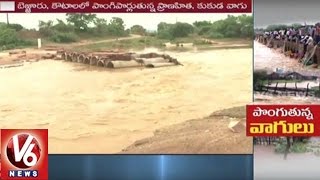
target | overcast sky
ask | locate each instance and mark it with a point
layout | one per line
(148, 21)
(268, 12)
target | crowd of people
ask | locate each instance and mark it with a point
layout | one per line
(303, 34)
(307, 35)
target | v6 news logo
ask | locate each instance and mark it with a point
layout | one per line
(24, 154)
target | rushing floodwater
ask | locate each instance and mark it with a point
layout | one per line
(101, 111)
(270, 59)
(268, 165)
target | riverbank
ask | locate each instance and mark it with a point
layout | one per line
(131, 43)
(209, 135)
(182, 44)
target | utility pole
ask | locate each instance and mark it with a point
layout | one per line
(145, 39)
(7, 18)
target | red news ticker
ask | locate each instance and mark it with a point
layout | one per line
(283, 120)
(126, 6)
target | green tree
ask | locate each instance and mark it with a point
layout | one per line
(246, 25)
(64, 37)
(7, 36)
(231, 27)
(46, 28)
(63, 27)
(247, 30)
(116, 27)
(162, 26)
(296, 25)
(101, 26)
(181, 29)
(81, 21)
(137, 29)
(218, 29)
(204, 30)
(16, 27)
(276, 27)
(200, 24)
(171, 31)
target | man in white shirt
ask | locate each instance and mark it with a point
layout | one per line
(309, 40)
(288, 32)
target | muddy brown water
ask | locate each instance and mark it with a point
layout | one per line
(269, 59)
(94, 110)
(269, 165)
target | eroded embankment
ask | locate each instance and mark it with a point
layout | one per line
(209, 135)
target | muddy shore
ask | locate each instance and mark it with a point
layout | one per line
(208, 135)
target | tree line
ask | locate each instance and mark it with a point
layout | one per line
(278, 27)
(9, 38)
(231, 27)
(80, 24)
(84, 25)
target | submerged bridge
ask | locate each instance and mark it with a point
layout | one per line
(287, 91)
(112, 59)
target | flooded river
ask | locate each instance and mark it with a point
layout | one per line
(268, 165)
(98, 110)
(270, 59)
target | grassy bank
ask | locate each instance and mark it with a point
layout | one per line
(136, 44)
(149, 41)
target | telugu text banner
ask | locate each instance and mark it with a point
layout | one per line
(134, 6)
(283, 120)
